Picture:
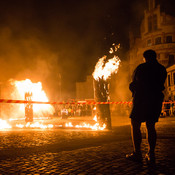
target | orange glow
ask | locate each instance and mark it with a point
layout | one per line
(95, 126)
(104, 70)
(34, 125)
(4, 124)
(38, 94)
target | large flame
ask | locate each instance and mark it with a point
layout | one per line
(38, 94)
(104, 69)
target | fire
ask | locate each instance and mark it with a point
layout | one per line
(95, 126)
(103, 69)
(34, 125)
(4, 124)
(38, 94)
(95, 118)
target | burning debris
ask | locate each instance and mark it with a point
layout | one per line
(103, 70)
(32, 91)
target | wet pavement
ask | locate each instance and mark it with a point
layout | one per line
(68, 151)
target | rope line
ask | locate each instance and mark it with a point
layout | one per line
(89, 103)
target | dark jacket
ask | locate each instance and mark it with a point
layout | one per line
(146, 87)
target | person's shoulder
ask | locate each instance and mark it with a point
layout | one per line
(162, 66)
(141, 66)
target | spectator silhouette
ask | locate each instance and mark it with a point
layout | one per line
(146, 87)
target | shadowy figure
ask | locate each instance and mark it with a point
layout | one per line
(146, 87)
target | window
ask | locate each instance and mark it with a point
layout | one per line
(158, 56)
(171, 60)
(158, 40)
(174, 78)
(169, 39)
(149, 42)
(149, 24)
(154, 22)
(169, 80)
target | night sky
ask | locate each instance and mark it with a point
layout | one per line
(43, 39)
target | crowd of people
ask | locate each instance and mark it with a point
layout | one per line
(70, 110)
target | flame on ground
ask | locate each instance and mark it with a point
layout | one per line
(95, 126)
(4, 124)
(35, 125)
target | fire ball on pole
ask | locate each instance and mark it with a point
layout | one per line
(103, 70)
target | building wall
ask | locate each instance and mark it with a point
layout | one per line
(157, 32)
(170, 83)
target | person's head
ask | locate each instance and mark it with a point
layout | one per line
(150, 55)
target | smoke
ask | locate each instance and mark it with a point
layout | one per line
(119, 90)
(25, 58)
(22, 58)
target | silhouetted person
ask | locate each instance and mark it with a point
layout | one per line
(146, 87)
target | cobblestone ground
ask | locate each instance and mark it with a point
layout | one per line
(83, 152)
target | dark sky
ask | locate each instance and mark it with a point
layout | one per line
(41, 39)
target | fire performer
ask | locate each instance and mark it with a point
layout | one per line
(146, 87)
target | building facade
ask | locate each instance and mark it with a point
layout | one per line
(157, 32)
(85, 90)
(170, 83)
